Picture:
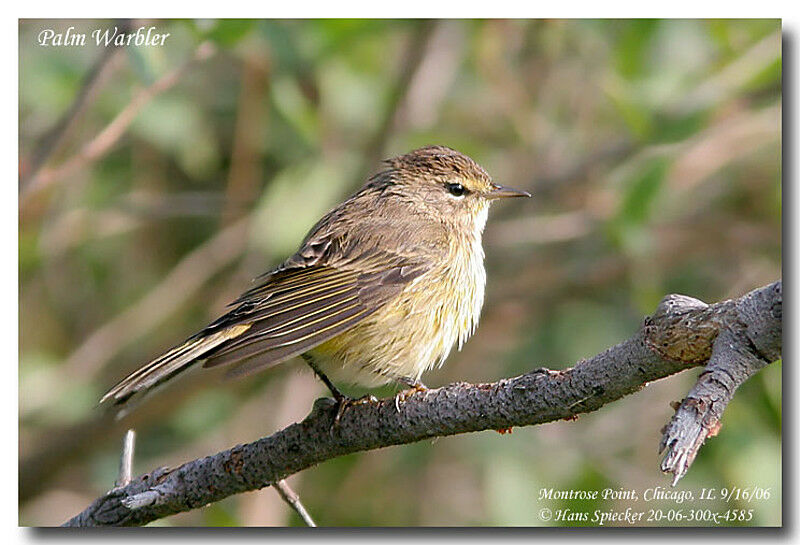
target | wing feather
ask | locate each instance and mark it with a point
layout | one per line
(170, 364)
(260, 354)
(287, 313)
(288, 322)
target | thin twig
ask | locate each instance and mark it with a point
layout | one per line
(245, 173)
(105, 139)
(126, 460)
(290, 496)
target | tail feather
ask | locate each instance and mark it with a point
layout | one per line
(170, 364)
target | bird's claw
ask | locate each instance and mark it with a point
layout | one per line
(344, 402)
(405, 394)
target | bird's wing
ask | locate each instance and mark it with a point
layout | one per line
(289, 312)
(302, 308)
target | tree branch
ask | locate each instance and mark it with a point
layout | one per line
(681, 334)
(742, 348)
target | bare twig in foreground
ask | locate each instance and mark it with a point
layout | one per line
(681, 334)
(126, 460)
(290, 496)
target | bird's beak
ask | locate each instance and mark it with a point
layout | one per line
(500, 192)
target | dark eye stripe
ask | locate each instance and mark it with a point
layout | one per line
(457, 190)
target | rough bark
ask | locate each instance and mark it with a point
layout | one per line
(734, 337)
(749, 339)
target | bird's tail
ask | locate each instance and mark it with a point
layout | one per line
(170, 364)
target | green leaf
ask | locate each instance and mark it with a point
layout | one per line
(641, 193)
(293, 201)
(296, 108)
(675, 128)
(228, 32)
(769, 75)
(628, 229)
(175, 125)
(282, 46)
(222, 514)
(29, 256)
(632, 47)
(209, 409)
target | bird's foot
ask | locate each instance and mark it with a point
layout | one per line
(343, 403)
(402, 396)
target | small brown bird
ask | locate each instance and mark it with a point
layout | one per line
(380, 290)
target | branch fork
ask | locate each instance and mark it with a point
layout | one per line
(738, 351)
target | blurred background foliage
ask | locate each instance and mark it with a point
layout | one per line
(157, 181)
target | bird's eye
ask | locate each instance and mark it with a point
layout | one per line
(457, 190)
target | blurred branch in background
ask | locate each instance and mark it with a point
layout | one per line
(413, 57)
(731, 79)
(245, 175)
(105, 139)
(104, 344)
(180, 285)
(51, 141)
(693, 161)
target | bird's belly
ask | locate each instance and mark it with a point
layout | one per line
(409, 335)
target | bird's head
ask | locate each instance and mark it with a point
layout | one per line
(446, 183)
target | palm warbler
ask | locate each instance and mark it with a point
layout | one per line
(380, 290)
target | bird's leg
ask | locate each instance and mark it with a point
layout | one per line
(337, 395)
(414, 386)
(342, 401)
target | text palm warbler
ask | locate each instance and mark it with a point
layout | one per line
(380, 290)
